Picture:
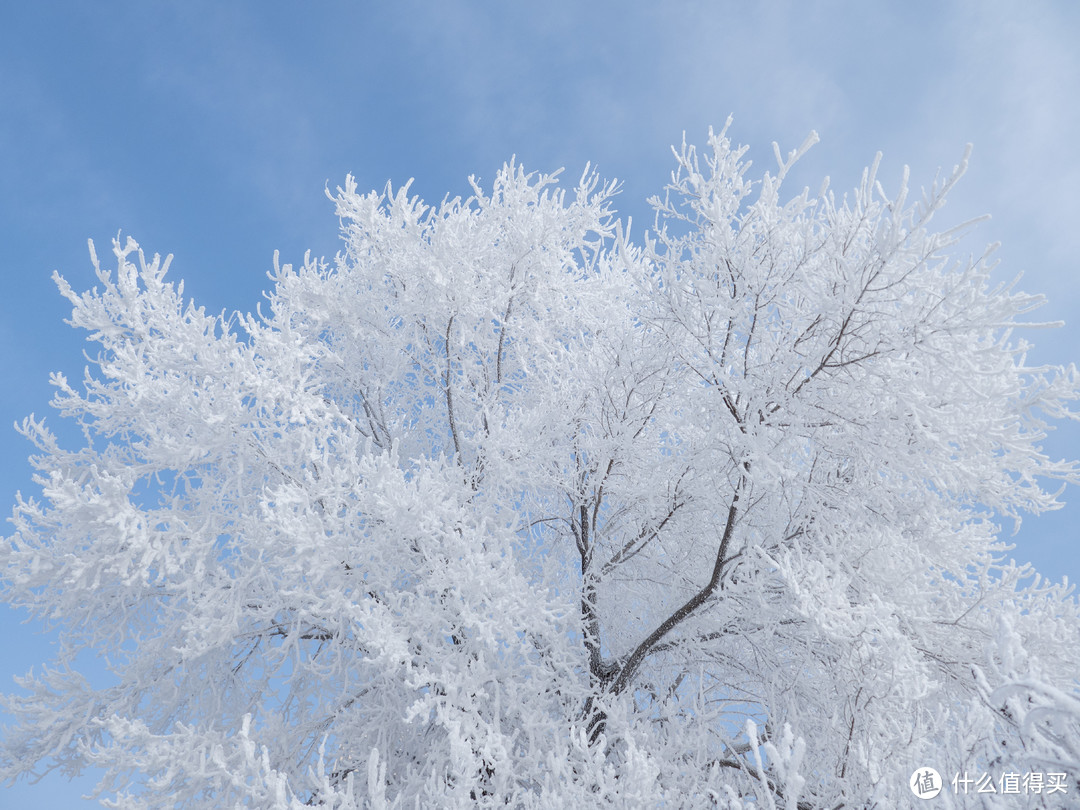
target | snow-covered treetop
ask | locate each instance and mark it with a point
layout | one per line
(503, 508)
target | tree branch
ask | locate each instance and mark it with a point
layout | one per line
(449, 395)
(633, 663)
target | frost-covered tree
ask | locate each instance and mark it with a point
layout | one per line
(501, 508)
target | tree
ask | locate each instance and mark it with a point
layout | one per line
(503, 508)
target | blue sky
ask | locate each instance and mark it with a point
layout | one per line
(211, 131)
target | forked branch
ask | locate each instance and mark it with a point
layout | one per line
(633, 663)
